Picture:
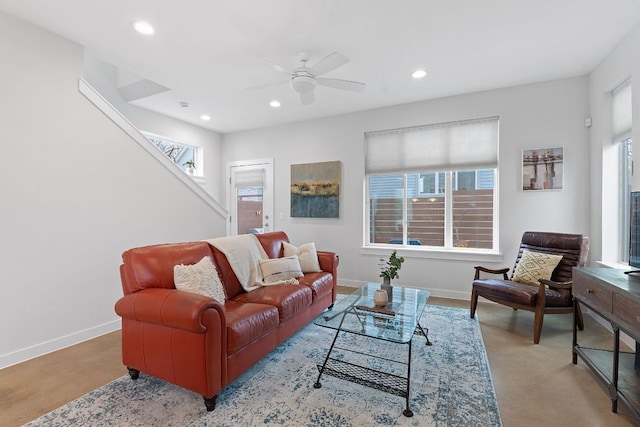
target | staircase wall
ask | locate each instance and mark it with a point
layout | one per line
(76, 192)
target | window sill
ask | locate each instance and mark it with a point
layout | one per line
(456, 254)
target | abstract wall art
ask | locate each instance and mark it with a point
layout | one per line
(315, 190)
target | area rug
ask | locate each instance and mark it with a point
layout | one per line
(450, 386)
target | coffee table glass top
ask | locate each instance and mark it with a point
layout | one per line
(405, 308)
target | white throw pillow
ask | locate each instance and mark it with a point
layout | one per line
(201, 278)
(307, 255)
(280, 269)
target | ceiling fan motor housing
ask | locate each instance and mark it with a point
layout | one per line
(302, 81)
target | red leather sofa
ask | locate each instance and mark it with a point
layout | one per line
(197, 343)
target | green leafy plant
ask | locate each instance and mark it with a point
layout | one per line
(390, 267)
(190, 164)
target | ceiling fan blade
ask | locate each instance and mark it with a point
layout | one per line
(273, 65)
(266, 85)
(307, 98)
(329, 63)
(342, 84)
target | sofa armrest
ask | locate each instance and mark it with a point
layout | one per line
(328, 261)
(169, 307)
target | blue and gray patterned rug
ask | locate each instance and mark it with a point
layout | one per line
(450, 386)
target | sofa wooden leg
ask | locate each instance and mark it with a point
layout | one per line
(210, 402)
(474, 303)
(133, 373)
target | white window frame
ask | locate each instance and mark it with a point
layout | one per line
(441, 147)
(198, 174)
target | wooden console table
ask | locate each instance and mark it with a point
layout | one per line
(615, 296)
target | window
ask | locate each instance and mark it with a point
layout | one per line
(185, 156)
(622, 118)
(626, 179)
(420, 190)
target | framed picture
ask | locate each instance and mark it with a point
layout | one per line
(542, 169)
(315, 190)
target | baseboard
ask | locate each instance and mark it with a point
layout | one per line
(46, 347)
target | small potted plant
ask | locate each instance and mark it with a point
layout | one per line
(389, 268)
(191, 166)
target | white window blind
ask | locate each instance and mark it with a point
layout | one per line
(463, 145)
(622, 113)
(249, 178)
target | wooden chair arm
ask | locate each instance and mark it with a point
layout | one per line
(479, 268)
(556, 285)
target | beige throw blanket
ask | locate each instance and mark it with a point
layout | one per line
(244, 253)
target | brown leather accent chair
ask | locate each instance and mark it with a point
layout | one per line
(550, 296)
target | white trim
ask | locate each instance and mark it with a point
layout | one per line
(46, 347)
(457, 254)
(123, 123)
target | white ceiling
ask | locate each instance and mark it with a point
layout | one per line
(205, 51)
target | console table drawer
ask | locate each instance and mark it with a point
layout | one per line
(627, 310)
(594, 295)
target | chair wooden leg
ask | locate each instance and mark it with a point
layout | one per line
(474, 303)
(537, 326)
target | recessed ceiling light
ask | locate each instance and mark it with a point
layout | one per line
(275, 103)
(418, 74)
(205, 117)
(143, 27)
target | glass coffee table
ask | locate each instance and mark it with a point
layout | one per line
(397, 322)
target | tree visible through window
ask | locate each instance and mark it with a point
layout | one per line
(182, 155)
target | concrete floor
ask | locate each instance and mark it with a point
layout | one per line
(537, 385)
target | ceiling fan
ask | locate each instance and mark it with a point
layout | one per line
(304, 79)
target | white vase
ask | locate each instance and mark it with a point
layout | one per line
(380, 297)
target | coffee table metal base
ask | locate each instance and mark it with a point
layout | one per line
(379, 380)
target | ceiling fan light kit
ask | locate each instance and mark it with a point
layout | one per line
(304, 79)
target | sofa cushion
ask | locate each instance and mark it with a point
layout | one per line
(289, 299)
(279, 269)
(272, 243)
(320, 284)
(248, 322)
(200, 278)
(152, 266)
(307, 255)
(231, 283)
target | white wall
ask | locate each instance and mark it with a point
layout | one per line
(76, 192)
(534, 116)
(621, 64)
(104, 78)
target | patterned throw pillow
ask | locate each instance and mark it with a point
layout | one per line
(201, 278)
(534, 266)
(307, 255)
(280, 269)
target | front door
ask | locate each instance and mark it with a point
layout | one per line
(251, 196)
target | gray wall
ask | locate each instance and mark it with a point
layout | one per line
(76, 193)
(534, 116)
(621, 64)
